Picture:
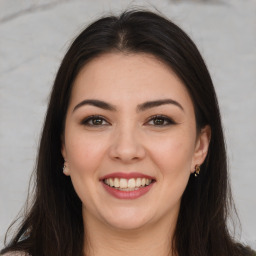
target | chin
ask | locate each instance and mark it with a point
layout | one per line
(126, 225)
(128, 219)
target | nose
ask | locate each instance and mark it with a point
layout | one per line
(127, 146)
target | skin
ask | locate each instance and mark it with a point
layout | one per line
(127, 140)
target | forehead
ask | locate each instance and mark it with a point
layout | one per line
(126, 78)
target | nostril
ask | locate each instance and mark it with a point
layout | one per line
(127, 153)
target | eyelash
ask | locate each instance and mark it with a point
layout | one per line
(91, 118)
(166, 121)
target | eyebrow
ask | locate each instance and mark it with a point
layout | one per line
(96, 103)
(142, 107)
(157, 103)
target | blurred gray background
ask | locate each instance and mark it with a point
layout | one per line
(34, 36)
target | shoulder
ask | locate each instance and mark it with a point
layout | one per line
(15, 254)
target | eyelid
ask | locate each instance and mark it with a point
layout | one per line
(89, 118)
(166, 118)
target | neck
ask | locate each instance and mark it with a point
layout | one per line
(104, 240)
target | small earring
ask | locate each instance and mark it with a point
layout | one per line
(197, 170)
(65, 170)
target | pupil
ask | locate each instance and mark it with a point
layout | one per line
(97, 121)
(159, 121)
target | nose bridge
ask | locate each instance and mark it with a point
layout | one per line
(127, 143)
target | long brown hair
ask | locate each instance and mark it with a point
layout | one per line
(53, 225)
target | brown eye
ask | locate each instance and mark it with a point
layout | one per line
(160, 121)
(95, 121)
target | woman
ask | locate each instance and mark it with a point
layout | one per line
(132, 158)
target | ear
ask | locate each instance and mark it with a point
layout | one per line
(63, 148)
(201, 147)
(66, 169)
(64, 155)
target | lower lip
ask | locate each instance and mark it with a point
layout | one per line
(127, 194)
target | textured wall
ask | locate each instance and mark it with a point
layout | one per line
(33, 38)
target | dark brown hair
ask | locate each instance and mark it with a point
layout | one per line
(53, 225)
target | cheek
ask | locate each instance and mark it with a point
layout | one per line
(173, 159)
(84, 154)
(174, 154)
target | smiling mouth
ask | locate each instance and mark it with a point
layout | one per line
(128, 184)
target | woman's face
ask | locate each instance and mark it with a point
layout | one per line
(130, 140)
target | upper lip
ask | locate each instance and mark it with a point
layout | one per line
(126, 175)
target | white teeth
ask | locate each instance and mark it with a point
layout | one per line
(131, 183)
(116, 183)
(123, 183)
(127, 184)
(138, 182)
(111, 182)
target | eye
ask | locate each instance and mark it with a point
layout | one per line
(160, 120)
(95, 121)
